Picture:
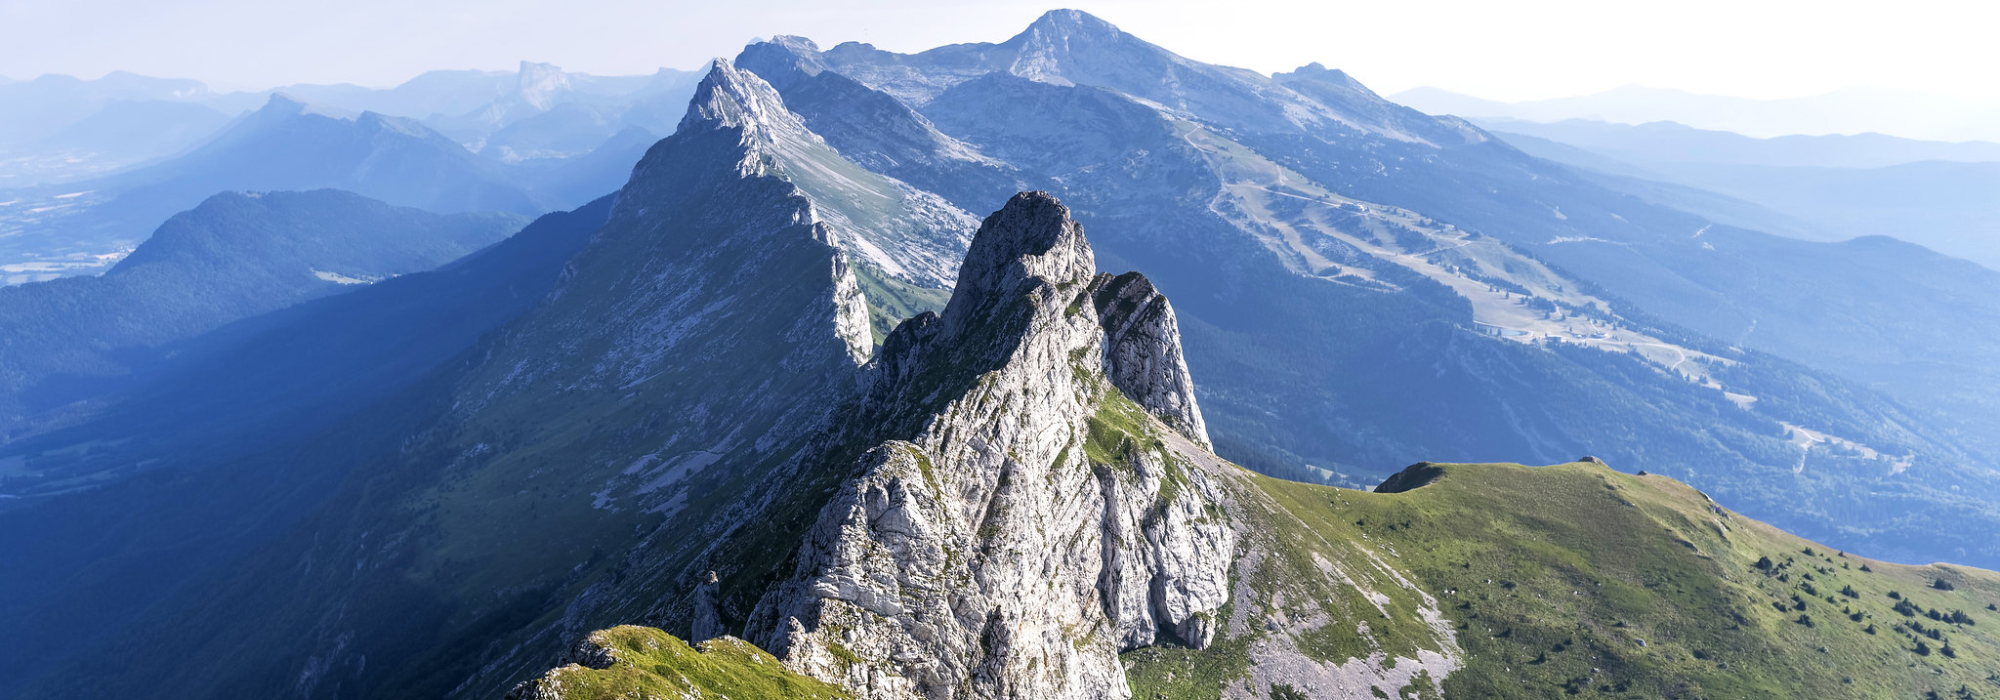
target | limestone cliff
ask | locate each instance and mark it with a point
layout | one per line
(1036, 525)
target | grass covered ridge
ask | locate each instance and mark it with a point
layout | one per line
(1579, 581)
(649, 663)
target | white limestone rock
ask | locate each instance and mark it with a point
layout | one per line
(993, 555)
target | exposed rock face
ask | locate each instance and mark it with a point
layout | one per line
(1142, 351)
(908, 234)
(541, 84)
(1038, 523)
(705, 623)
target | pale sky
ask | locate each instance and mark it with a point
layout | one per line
(1500, 50)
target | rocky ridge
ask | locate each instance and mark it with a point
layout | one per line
(1041, 499)
(996, 553)
(908, 234)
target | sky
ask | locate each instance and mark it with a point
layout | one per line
(1500, 50)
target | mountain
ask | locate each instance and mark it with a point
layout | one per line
(1903, 113)
(233, 257)
(551, 113)
(1830, 187)
(431, 93)
(287, 145)
(875, 130)
(58, 128)
(35, 109)
(952, 563)
(138, 131)
(186, 456)
(766, 392)
(741, 244)
(1068, 47)
(1678, 143)
(291, 145)
(1944, 206)
(1343, 272)
(122, 134)
(101, 162)
(604, 169)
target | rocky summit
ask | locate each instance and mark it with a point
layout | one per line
(1038, 499)
(1039, 522)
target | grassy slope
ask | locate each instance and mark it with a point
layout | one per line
(653, 664)
(1554, 575)
(1571, 580)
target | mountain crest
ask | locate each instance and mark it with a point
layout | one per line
(1034, 518)
(887, 228)
(541, 84)
(1032, 240)
(1059, 26)
(732, 98)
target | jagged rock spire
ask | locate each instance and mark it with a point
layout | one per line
(985, 551)
(1031, 240)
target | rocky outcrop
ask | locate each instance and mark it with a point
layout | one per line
(1040, 521)
(1142, 351)
(705, 623)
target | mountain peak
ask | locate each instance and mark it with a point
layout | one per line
(732, 98)
(795, 43)
(1070, 23)
(1031, 237)
(782, 61)
(1316, 71)
(283, 105)
(540, 83)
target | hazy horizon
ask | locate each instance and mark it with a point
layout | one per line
(1770, 50)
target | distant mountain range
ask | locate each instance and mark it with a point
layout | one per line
(233, 257)
(60, 129)
(1853, 111)
(79, 227)
(1670, 142)
(287, 145)
(1940, 195)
